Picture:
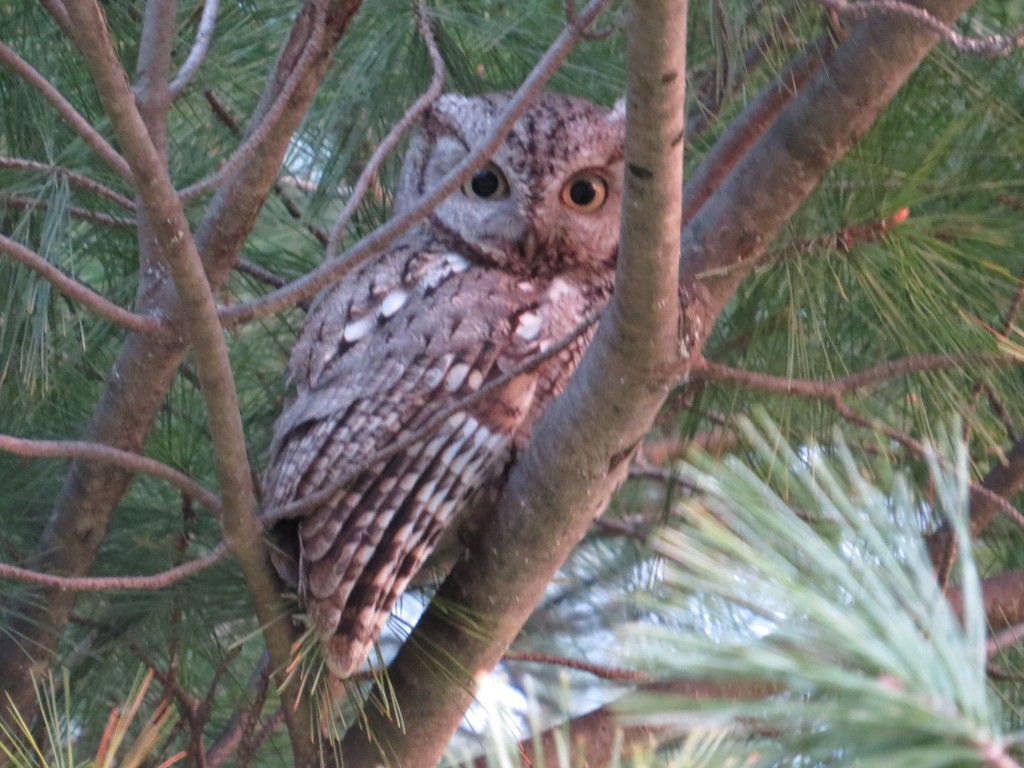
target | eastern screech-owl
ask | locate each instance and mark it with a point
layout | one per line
(503, 268)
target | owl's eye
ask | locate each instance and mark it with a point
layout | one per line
(585, 192)
(487, 183)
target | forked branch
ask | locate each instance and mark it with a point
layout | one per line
(580, 448)
(70, 115)
(990, 45)
(241, 155)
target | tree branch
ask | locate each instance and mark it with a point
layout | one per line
(76, 179)
(990, 45)
(1003, 595)
(154, 582)
(133, 462)
(748, 127)
(615, 674)
(991, 501)
(1003, 481)
(74, 211)
(235, 739)
(828, 389)
(580, 448)
(262, 274)
(242, 529)
(258, 134)
(1007, 638)
(76, 291)
(56, 10)
(70, 115)
(199, 48)
(232, 212)
(760, 193)
(221, 112)
(604, 737)
(395, 135)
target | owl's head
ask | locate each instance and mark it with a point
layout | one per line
(547, 201)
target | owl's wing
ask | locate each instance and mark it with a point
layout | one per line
(451, 336)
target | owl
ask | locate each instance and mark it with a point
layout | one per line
(503, 268)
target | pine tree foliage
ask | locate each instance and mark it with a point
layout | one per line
(910, 249)
(835, 603)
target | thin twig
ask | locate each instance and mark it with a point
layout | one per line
(76, 179)
(78, 124)
(623, 529)
(133, 462)
(78, 291)
(828, 388)
(666, 476)
(616, 674)
(832, 391)
(1000, 641)
(757, 117)
(1014, 309)
(606, 30)
(188, 705)
(179, 556)
(222, 113)
(304, 505)
(272, 724)
(1000, 411)
(594, 33)
(754, 56)
(1008, 323)
(199, 48)
(921, 450)
(59, 13)
(570, 12)
(990, 45)
(241, 155)
(234, 739)
(207, 704)
(75, 211)
(262, 274)
(843, 240)
(374, 244)
(156, 581)
(387, 146)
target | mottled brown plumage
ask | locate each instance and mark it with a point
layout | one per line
(503, 268)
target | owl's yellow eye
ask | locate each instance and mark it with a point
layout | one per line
(486, 184)
(585, 192)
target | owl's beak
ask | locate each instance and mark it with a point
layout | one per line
(529, 246)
